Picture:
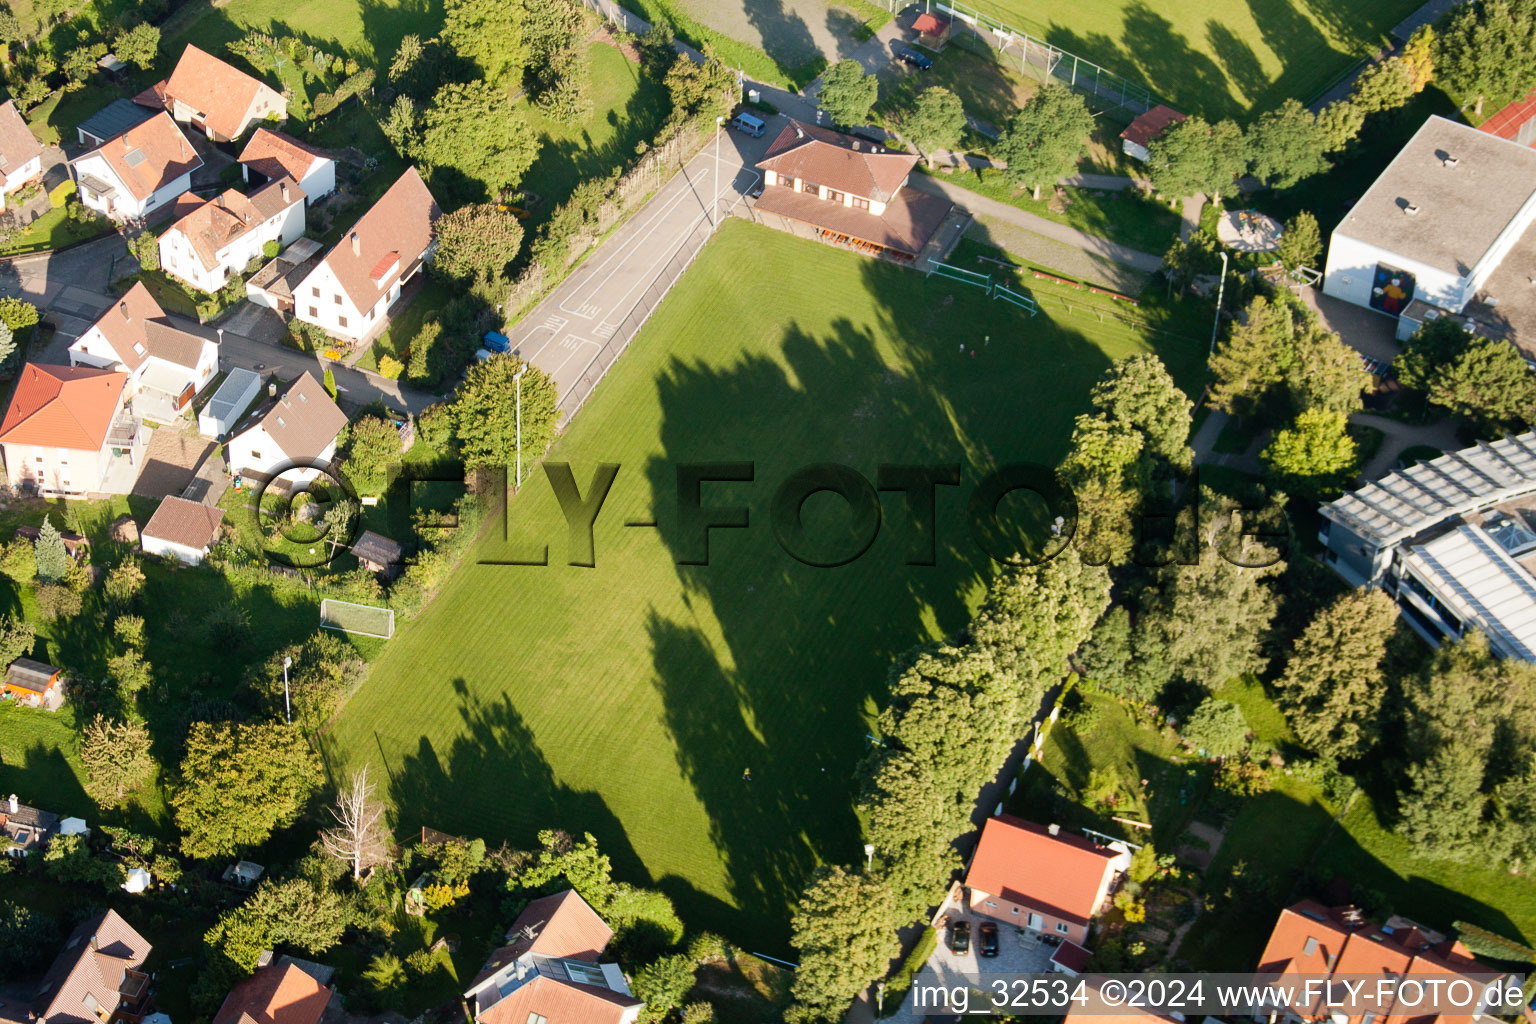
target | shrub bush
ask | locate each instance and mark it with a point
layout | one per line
(390, 367)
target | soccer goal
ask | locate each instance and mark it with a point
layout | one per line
(363, 619)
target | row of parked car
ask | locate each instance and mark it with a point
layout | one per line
(960, 938)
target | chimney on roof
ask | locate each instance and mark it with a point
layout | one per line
(272, 390)
(1054, 829)
(13, 803)
(855, 145)
(122, 307)
(357, 244)
(799, 132)
(1411, 209)
(1449, 161)
(283, 188)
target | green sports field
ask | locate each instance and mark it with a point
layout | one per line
(628, 699)
(1214, 57)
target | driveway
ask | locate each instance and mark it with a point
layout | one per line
(40, 278)
(1019, 951)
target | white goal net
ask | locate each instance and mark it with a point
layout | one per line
(362, 619)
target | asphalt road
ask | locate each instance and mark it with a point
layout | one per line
(564, 334)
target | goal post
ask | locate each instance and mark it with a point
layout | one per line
(362, 619)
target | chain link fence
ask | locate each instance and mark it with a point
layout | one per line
(615, 344)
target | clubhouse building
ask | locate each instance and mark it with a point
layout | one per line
(847, 191)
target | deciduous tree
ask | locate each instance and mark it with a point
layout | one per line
(935, 121)
(489, 33)
(485, 413)
(473, 129)
(1490, 384)
(1285, 145)
(370, 449)
(1139, 393)
(1301, 243)
(117, 759)
(359, 837)
(845, 933)
(1316, 456)
(239, 782)
(1217, 727)
(1046, 138)
(1195, 156)
(139, 45)
(847, 92)
(16, 639)
(1332, 689)
(1483, 50)
(477, 242)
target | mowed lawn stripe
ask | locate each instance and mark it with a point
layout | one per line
(628, 699)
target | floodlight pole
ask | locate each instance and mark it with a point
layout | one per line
(287, 708)
(714, 204)
(1221, 289)
(517, 378)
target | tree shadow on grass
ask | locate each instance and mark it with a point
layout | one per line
(493, 780)
(785, 36)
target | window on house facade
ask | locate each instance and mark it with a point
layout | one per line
(313, 312)
(314, 290)
(860, 204)
(255, 454)
(834, 196)
(341, 321)
(806, 186)
(1062, 927)
(337, 297)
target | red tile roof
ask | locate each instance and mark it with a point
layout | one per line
(399, 224)
(929, 24)
(149, 156)
(17, 143)
(907, 223)
(273, 154)
(92, 963)
(1148, 126)
(562, 925)
(843, 162)
(62, 407)
(153, 97)
(275, 995)
(188, 523)
(215, 223)
(559, 1002)
(219, 91)
(1023, 863)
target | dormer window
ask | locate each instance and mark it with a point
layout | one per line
(139, 348)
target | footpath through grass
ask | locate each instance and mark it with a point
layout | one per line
(1126, 217)
(628, 699)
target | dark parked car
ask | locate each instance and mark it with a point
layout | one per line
(913, 59)
(960, 937)
(986, 938)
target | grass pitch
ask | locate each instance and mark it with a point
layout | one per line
(629, 699)
(1214, 57)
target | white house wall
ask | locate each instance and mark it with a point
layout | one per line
(320, 300)
(1351, 270)
(179, 258)
(169, 549)
(123, 205)
(319, 180)
(23, 174)
(254, 451)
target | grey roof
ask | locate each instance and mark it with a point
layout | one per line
(115, 118)
(1403, 504)
(376, 548)
(1483, 585)
(1467, 186)
(30, 675)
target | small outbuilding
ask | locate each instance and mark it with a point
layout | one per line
(234, 395)
(33, 683)
(182, 529)
(243, 872)
(932, 30)
(138, 880)
(377, 552)
(1139, 134)
(111, 121)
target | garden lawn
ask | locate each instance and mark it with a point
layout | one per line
(370, 31)
(989, 89)
(627, 110)
(627, 700)
(54, 230)
(1214, 57)
(1126, 217)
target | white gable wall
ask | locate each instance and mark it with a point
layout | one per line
(255, 451)
(180, 259)
(122, 205)
(19, 176)
(320, 300)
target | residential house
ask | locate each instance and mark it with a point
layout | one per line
(24, 829)
(111, 121)
(21, 155)
(278, 993)
(129, 177)
(1451, 539)
(1042, 878)
(33, 683)
(166, 362)
(848, 191)
(98, 978)
(1313, 941)
(216, 238)
(348, 295)
(291, 436)
(376, 552)
(1447, 229)
(272, 156)
(1138, 135)
(218, 99)
(69, 432)
(181, 529)
(550, 970)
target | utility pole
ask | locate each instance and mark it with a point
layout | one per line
(1221, 290)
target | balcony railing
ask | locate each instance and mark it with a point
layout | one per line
(123, 432)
